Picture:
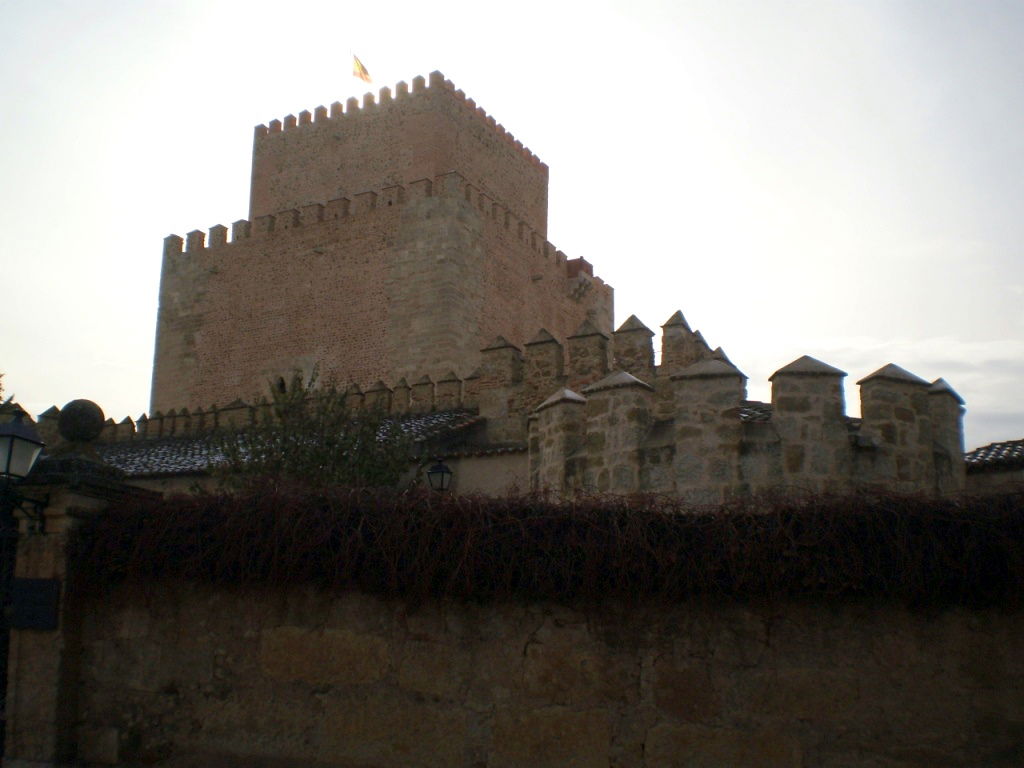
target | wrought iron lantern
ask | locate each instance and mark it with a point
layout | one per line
(439, 476)
(20, 446)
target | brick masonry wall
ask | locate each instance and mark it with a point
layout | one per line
(368, 284)
(411, 288)
(234, 316)
(422, 134)
(196, 676)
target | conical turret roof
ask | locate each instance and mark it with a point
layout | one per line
(893, 372)
(941, 387)
(807, 366)
(616, 380)
(587, 328)
(709, 369)
(677, 319)
(633, 324)
(542, 337)
(564, 395)
(500, 342)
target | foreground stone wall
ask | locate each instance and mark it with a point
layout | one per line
(193, 676)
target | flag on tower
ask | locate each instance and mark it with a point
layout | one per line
(358, 70)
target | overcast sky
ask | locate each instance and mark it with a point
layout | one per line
(839, 179)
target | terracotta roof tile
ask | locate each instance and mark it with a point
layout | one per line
(754, 411)
(1008, 454)
(193, 454)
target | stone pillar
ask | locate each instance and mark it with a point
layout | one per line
(500, 388)
(556, 434)
(947, 412)
(169, 425)
(184, 423)
(401, 397)
(41, 685)
(47, 425)
(378, 397)
(634, 350)
(708, 431)
(471, 391)
(681, 347)
(354, 397)
(156, 425)
(449, 392)
(808, 412)
(44, 653)
(589, 356)
(619, 415)
(896, 415)
(234, 415)
(544, 367)
(423, 394)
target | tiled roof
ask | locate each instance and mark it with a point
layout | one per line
(754, 410)
(166, 456)
(191, 454)
(1008, 454)
(429, 425)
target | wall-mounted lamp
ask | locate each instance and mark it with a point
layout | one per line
(439, 476)
(20, 446)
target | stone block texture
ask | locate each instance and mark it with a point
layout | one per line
(187, 676)
(391, 240)
(691, 432)
(399, 246)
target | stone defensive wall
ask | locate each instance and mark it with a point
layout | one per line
(616, 423)
(598, 415)
(397, 137)
(351, 283)
(222, 677)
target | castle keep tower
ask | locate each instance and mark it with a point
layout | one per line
(400, 245)
(393, 239)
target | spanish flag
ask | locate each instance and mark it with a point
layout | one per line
(358, 70)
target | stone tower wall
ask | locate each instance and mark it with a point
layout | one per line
(402, 281)
(394, 139)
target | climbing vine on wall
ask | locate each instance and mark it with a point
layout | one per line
(417, 545)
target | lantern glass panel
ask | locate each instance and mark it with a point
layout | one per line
(23, 455)
(19, 448)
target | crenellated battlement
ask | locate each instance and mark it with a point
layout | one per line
(450, 185)
(398, 242)
(393, 137)
(617, 423)
(425, 396)
(598, 416)
(387, 236)
(436, 86)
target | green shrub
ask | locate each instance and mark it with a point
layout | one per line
(308, 436)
